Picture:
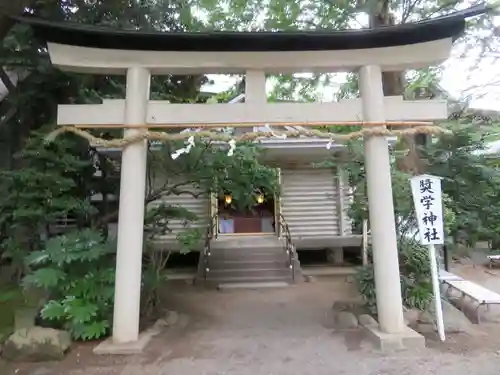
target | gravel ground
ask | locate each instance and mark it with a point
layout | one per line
(275, 332)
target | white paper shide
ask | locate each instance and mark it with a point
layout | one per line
(426, 191)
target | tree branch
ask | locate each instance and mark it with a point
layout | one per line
(408, 9)
(4, 77)
(10, 113)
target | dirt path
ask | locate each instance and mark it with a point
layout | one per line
(273, 332)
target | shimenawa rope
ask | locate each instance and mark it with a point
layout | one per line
(250, 136)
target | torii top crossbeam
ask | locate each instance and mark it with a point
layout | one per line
(90, 49)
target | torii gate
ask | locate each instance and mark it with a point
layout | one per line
(137, 54)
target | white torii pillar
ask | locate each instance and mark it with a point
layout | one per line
(131, 213)
(381, 206)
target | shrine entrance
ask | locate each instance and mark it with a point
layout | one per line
(235, 219)
(138, 55)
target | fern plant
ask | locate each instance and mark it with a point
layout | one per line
(77, 272)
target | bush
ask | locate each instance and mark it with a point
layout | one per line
(77, 272)
(53, 183)
(415, 277)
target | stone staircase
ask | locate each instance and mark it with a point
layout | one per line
(248, 261)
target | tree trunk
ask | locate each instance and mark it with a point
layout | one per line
(393, 84)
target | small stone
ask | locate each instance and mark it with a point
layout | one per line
(329, 319)
(172, 318)
(37, 344)
(411, 316)
(425, 328)
(346, 320)
(42, 371)
(455, 320)
(309, 279)
(366, 320)
(425, 317)
(343, 306)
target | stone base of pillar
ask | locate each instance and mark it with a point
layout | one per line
(109, 347)
(335, 256)
(387, 342)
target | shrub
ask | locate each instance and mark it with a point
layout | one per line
(77, 272)
(53, 183)
(415, 277)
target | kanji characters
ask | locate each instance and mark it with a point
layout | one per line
(427, 201)
(431, 234)
(427, 198)
(426, 186)
(429, 218)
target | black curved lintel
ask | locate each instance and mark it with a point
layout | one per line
(75, 34)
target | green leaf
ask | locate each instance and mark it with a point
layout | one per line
(45, 278)
(53, 310)
(90, 331)
(37, 258)
(80, 311)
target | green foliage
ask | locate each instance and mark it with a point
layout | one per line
(365, 281)
(158, 218)
(416, 286)
(450, 217)
(190, 238)
(154, 275)
(243, 176)
(470, 183)
(208, 168)
(157, 223)
(469, 186)
(25, 212)
(353, 164)
(470, 209)
(415, 274)
(52, 184)
(77, 272)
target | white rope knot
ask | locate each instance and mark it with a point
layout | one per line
(184, 150)
(275, 134)
(232, 147)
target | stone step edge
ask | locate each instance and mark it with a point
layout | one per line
(253, 285)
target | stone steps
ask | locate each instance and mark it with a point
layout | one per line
(250, 279)
(253, 285)
(252, 273)
(248, 260)
(248, 256)
(250, 263)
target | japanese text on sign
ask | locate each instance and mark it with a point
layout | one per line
(426, 191)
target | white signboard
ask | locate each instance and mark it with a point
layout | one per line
(426, 191)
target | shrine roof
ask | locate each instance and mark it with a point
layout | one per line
(84, 35)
